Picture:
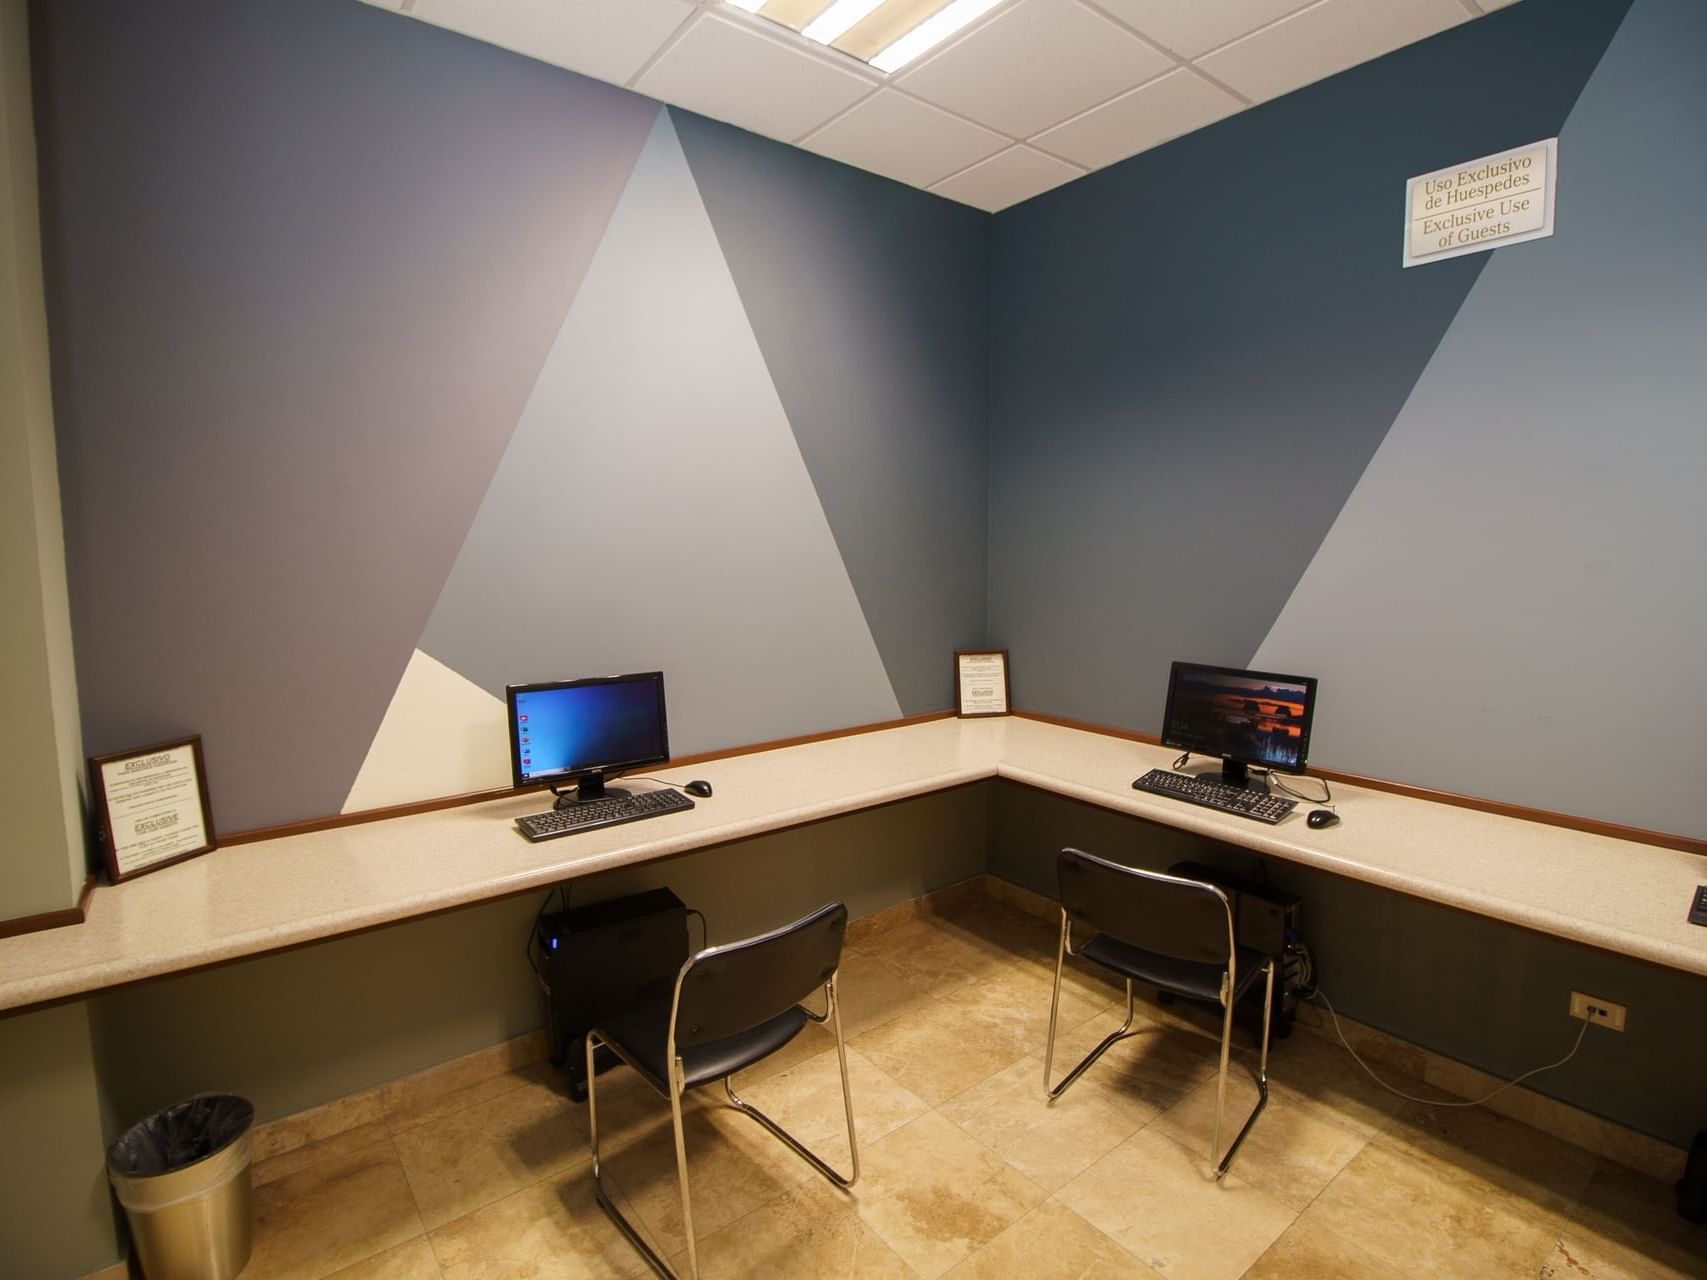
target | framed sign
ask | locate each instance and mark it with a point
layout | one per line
(1484, 204)
(981, 682)
(151, 806)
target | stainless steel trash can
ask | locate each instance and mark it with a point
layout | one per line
(182, 1176)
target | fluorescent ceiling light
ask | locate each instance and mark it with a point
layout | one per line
(883, 34)
(931, 32)
(836, 20)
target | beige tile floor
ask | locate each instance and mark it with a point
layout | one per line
(480, 1171)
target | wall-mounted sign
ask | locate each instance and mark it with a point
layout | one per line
(981, 682)
(151, 806)
(1483, 204)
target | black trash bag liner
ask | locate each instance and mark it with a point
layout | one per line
(180, 1135)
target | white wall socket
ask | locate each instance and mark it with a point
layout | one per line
(1594, 1009)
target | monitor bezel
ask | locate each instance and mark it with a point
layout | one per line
(602, 769)
(1309, 683)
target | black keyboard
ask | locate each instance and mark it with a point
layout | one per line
(610, 812)
(1215, 795)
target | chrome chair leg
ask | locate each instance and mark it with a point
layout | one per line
(1055, 1006)
(847, 1091)
(629, 1231)
(788, 1139)
(1221, 1071)
(677, 1089)
(1123, 1032)
(592, 1108)
(1267, 1018)
(1226, 1161)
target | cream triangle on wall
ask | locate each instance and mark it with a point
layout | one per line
(442, 735)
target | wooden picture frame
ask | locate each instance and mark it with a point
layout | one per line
(981, 683)
(150, 807)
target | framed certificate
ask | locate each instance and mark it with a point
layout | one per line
(151, 806)
(981, 682)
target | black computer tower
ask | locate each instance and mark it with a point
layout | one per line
(1265, 919)
(601, 958)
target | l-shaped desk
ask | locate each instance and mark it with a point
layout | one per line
(246, 900)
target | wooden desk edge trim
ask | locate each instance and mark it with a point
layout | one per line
(78, 914)
(1548, 817)
(20, 925)
(77, 989)
(408, 809)
(1634, 946)
(1542, 922)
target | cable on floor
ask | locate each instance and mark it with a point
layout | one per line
(1319, 994)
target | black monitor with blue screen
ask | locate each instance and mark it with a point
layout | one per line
(581, 732)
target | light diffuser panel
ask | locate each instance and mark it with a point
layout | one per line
(793, 14)
(834, 21)
(883, 33)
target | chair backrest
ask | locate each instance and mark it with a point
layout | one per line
(724, 990)
(1185, 919)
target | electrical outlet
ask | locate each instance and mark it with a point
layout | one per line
(1602, 1012)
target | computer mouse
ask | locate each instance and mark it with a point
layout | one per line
(1322, 818)
(698, 787)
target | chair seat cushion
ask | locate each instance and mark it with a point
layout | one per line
(639, 1034)
(1190, 978)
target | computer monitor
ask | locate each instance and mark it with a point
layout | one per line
(1244, 718)
(581, 732)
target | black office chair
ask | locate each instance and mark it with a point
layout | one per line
(1165, 932)
(731, 1006)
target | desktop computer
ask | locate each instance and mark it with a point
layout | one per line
(577, 732)
(1265, 919)
(600, 959)
(1248, 720)
(572, 735)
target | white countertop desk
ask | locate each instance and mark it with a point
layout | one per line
(249, 899)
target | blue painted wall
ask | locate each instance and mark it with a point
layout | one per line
(370, 420)
(1207, 357)
(1179, 373)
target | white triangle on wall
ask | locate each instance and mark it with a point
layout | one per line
(442, 735)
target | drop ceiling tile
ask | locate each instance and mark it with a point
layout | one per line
(1007, 178)
(606, 39)
(1034, 65)
(1324, 39)
(1191, 27)
(904, 139)
(1177, 103)
(730, 71)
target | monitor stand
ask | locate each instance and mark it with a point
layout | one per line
(587, 789)
(1235, 773)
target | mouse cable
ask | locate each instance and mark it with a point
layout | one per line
(1319, 994)
(645, 777)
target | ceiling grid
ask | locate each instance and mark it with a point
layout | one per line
(1030, 95)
